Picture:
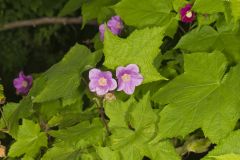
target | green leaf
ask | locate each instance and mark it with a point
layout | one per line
(82, 134)
(106, 153)
(71, 116)
(130, 141)
(178, 4)
(162, 150)
(95, 8)
(193, 143)
(171, 27)
(204, 19)
(140, 48)
(210, 39)
(29, 140)
(2, 97)
(206, 36)
(230, 156)
(141, 13)
(105, 14)
(198, 145)
(203, 96)
(118, 111)
(235, 6)
(142, 121)
(26, 157)
(23, 110)
(72, 141)
(49, 109)
(62, 151)
(71, 6)
(8, 110)
(63, 79)
(227, 149)
(136, 127)
(209, 6)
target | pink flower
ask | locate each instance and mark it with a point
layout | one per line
(128, 78)
(101, 82)
(187, 15)
(22, 83)
(115, 25)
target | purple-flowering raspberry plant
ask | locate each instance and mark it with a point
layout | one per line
(23, 83)
(128, 78)
(190, 70)
(187, 15)
(115, 25)
(101, 82)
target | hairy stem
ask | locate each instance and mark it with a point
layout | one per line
(99, 104)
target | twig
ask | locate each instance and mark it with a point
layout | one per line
(43, 21)
(102, 115)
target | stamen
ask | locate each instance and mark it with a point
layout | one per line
(126, 77)
(189, 14)
(24, 84)
(102, 81)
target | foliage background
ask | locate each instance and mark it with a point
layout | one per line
(34, 49)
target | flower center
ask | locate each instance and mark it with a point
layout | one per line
(119, 26)
(189, 14)
(102, 81)
(126, 77)
(24, 84)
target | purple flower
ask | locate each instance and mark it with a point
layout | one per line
(187, 15)
(115, 25)
(23, 83)
(101, 82)
(101, 31)
(128, 78)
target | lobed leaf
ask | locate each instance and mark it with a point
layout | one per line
(141, 13)
(63, 79)
(202, 97)
(29, 140)
(227, 149)
(207, 40)
(140, 48)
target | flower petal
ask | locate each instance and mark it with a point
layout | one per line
(121, 85)
(129, 88)
(17, 83)
(94, 73)
(119, 71)
(133, 68)
(21, 75)
(101, 31)
(93, 85)
(115, 24)
(137, 80)
(107, 74)
(101, 90)
(113, 85)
